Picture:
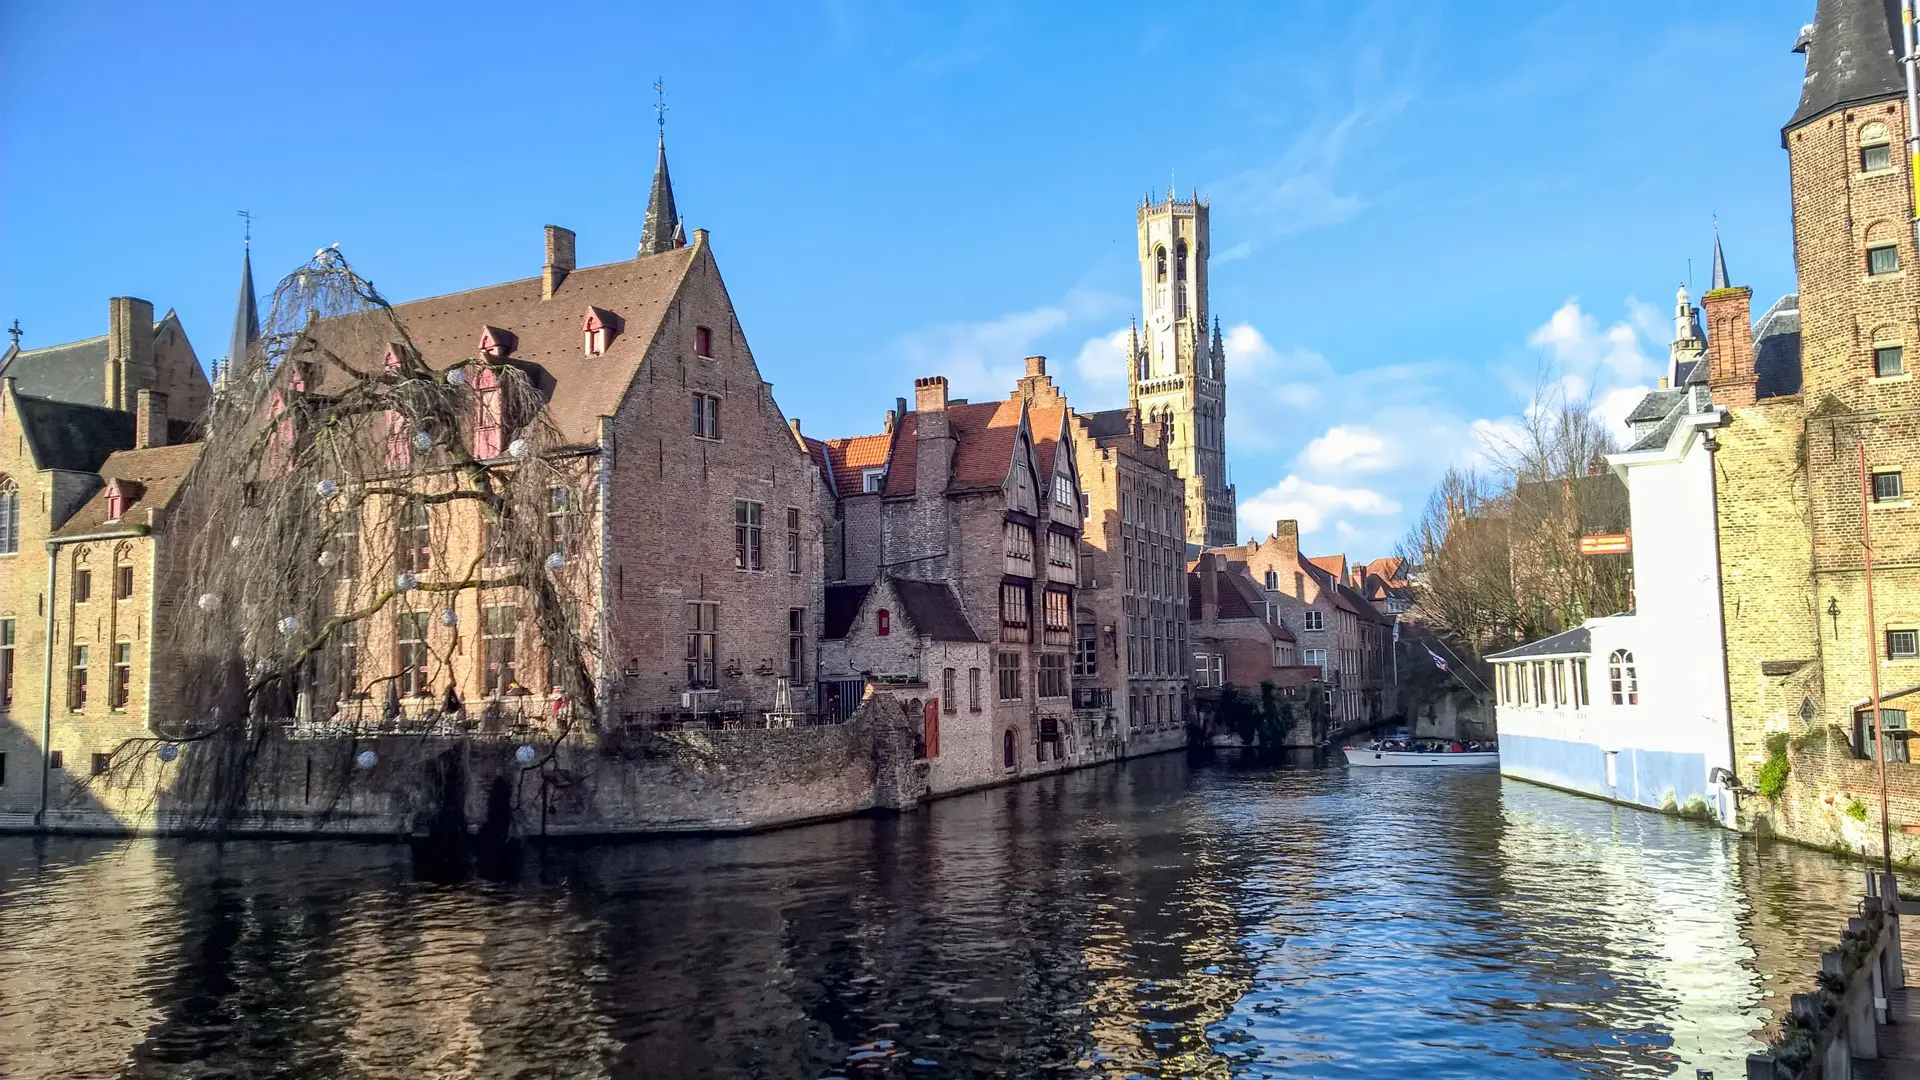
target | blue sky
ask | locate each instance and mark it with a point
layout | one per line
(1415, 206)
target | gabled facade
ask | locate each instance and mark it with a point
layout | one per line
(1239, 642)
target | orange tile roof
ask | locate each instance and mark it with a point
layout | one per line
(847, 459)
(986, 433)
(1332, 564)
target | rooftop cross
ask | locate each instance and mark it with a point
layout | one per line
(14, 332)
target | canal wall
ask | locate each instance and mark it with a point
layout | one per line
(581, 785)
(1831, 799)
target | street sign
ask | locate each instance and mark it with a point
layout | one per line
(1606, 544)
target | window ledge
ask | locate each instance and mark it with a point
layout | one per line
(1872, 279)
(1876, 380)
(1866, 174)
(1894, 504)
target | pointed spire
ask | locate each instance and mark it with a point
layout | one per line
(1720, 280)
(663, 220)
(1853, 54)
(246, 321)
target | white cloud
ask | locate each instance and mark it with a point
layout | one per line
(1574, 341)
(983, 359)
(1233, 254)
(1104, 359)
(1348, 449)
(1313, 505)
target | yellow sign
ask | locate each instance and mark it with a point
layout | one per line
(1606, 544)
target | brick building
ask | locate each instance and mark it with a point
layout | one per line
(1820, 381)
(1130, 643)
(1338, 630)
(88, 471)
(984, 500)
(1238, 641)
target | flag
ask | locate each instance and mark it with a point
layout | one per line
(1437, 662)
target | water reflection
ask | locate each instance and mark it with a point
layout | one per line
(1137, 920)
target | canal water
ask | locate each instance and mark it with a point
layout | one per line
(1149, 919)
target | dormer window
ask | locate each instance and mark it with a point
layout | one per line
(873, 480)
(116, 501)
(486, 414)
(597, 331)
(496, 344)
(703, 342)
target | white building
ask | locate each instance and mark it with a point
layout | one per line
(1634, 707)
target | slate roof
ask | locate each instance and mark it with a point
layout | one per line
(1776, 349)
(1107, 423)
(75, 372)
(843, 606)
(985, 433)
(1851, 58)
(1656, 405)
(447, 329)
(661, 231)
(933, 609)
(1577, 641)
(155, 476)
(70, 436)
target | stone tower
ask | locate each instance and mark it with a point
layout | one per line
(1178, 367)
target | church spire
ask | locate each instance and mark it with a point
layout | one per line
(663, 221)
(246, 320)
(1720, 280)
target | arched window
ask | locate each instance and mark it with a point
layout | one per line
(9, 517)
(1160, 265)
(1621, 678)
(1180, 261)
(883, 622)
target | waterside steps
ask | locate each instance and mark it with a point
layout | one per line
(1860, 1022)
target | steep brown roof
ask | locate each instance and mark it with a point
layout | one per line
(847, 459)
(155, 474)
(933, 609)
(1332, 564)
(547, 332)
(986, 433)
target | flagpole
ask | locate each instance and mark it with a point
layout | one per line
(1469, 669)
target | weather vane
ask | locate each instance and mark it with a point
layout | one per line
(248, 214)
(660, 104)
(14, 331)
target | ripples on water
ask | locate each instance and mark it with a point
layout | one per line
(1145, 919)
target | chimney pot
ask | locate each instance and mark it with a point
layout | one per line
(699, 237)
(149, 419)
(560, 256)
(1036, 365)
(930, 394)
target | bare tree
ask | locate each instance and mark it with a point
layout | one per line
(346, 497)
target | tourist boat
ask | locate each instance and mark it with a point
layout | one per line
(1376, 754)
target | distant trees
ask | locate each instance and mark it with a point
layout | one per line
(1497, 553)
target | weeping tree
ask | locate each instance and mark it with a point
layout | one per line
(360, 531)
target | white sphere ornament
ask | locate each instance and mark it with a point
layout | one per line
(524, 755)
(448, 617)
(519, 449)
(556, 560)
(235, 543)
(326, 489)
(366, 759)
(289, 624)
(168, 752)
(456, 377)
(422, 441)
(207, 601)
(405, 582)
(327, 559)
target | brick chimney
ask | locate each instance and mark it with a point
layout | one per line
(1208, 568)
(559, 260)
(149, 419)
(934, 453)
(130, 366)
(1730, 371)
(1037, 384)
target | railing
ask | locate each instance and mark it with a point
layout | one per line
(1093, 697)
(1826, 1030)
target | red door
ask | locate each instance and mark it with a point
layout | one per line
(933, 729)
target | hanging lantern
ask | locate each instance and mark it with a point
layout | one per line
(524, 755)
(519, 449)
(556, 560)
(289, 624)
(405, 582)
(366, 759)
(167, 752)
(207, 601)
(448, 617)
(456, 377)
(327, 559)
(326, 489)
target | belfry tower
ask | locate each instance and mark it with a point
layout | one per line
(1178, 366)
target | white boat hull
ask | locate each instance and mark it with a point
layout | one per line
(1361, 756)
